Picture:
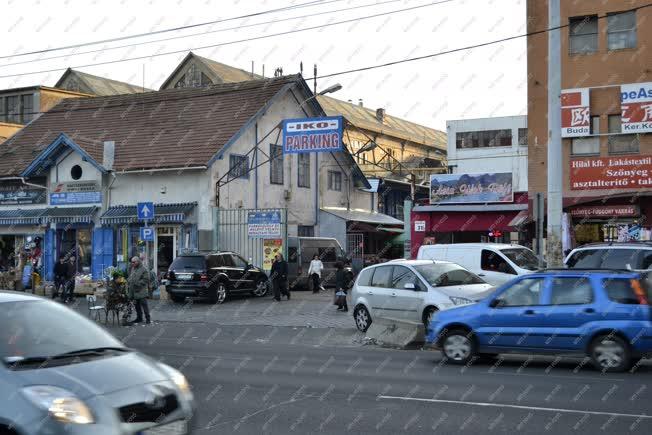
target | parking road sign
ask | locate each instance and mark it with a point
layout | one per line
(147, 234)
(145, 211)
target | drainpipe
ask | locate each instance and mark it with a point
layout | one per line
(256, 166)
(22, 180)
(317, 193)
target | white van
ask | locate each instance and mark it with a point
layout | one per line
(496, 263)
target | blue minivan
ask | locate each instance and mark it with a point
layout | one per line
(603, 314)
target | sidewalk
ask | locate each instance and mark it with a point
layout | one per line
(305, 309)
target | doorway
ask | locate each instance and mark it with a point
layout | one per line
(76, 242)
(166, 242)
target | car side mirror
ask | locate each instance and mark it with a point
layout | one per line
(409, 286)
(496, 303)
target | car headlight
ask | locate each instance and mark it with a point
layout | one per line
(460, 301)
(179, 380)
(61, 404)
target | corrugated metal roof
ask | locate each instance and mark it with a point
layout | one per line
(69, 214)
(30, 216)
(174, 212)
(101, 86)
(364, 216)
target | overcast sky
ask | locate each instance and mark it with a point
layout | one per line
(484, 82)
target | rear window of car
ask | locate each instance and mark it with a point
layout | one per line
(605, 259)
(627, 291)
(194, 262)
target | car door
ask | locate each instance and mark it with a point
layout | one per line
(494, 268)
(240, 272)
(514, 316)
(406, 294)
(379, 292)
(570, 307)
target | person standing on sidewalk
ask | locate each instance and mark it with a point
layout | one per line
(60, 274)
(314, 272)
(138, 288)
(279, 275)
(341, 287)
(71, 273)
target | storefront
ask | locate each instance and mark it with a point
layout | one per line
(21, 244)
(175, 231)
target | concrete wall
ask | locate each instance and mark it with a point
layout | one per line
(496, 159)
(60, 173)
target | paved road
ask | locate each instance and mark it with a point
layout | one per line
(281, 380)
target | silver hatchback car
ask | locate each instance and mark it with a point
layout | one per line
(63, 374)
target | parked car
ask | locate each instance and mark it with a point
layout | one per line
(62, 374)
(605, 315)
(215, 275)
(626, 255)
(496, 263)
(300, 253)
(412, 290)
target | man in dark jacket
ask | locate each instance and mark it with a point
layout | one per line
(71, 273)
(279, 276)
(138, 283)
(60, 274)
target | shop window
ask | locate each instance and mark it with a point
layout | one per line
(275, 164)
(621, 30)
(238, 167)
(583, 35)
(335, 181)
(76, 172)
(494, 262)
(303, 170)
(571, 291)
(588, 145)
(621, 143)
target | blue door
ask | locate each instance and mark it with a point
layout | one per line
(48, 255)
(516, 321)
(102, 251)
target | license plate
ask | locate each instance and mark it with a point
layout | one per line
(175, 428)
(184, 276)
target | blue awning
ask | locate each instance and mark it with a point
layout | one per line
(30, 216)
(170, 213)
(69, 215)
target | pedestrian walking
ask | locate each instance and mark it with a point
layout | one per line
(314, 272)
(138, 287)
(60, 273)
(340, 288)
(71, 273)
(279, 275)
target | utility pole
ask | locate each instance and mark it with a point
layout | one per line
(554, 254)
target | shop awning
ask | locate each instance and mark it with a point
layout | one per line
(391, 230)
(363, 216)
(470, 208)
(519, 219)
(69, 215)
(125, 214)
(21, 216)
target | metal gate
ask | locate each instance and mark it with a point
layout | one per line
(231, 229)
(355, 250)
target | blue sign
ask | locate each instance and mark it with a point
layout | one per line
(62, 198)
(145, 211)
(264, 224)
(147, 234)
(311, 135)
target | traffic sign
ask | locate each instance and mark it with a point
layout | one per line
(145, 211)
(147, 234)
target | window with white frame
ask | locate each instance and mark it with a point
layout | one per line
(583, 34)
(335, 181)
(303, 169)
(621, 30)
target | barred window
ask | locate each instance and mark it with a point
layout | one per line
(238, 166)
(335, 181)
(303, 170)
(275, 164)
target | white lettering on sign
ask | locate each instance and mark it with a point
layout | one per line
(331, 124)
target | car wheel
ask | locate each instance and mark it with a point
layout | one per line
(362, 318)
(261, 288)
(427, 316)
(458, 346)
(220, 294)
(610, 353)
(177, 298)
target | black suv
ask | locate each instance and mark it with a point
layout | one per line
(215, 275)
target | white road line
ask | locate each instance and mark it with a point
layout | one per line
(502, 405)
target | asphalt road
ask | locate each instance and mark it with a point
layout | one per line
(283, 380)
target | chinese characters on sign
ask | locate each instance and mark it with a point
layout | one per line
(471, 188)
(312, 135)
(636, 106)
(611, 173)
(575, 112)
(264, 224)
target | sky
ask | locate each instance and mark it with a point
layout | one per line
(484, 82)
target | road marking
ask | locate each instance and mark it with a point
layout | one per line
(501, 405)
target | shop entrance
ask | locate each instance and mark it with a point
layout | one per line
(77, 242)
(166, 242)
(7, 252)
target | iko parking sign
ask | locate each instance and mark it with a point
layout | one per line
(310, 135)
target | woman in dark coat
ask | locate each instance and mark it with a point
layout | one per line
(340, 287)
(279, 276)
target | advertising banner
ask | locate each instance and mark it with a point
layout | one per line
(18, 195)
(76, 186)
(310, 135)
(271, 247)
(575, 112)
(75, 198)
(471, 188)
(629, 173)
(636, 107)
(598, 211)
(264, 224)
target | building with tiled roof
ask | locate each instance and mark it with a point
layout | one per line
(78, 81)
(197, 71)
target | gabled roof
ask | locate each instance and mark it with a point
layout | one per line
(100, 86)
(218, 72)
(165, 129)
(90, 150)
(365, 118)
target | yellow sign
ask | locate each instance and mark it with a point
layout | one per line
(271, 247)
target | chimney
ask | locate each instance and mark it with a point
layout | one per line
(360, 102)
(108, 155)
(380, 114)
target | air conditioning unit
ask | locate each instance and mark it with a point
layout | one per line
(287, 194)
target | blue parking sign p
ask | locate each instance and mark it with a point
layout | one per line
(147, 234)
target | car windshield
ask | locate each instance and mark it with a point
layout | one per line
(194, 262)
(447, 274)
(523, 258)
(44, 329)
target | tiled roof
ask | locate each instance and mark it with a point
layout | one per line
(217, 72)
(164, 129)
(101, 86)
(365, 118)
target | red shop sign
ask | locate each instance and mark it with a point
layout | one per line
(606, 211)
(627, 172)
